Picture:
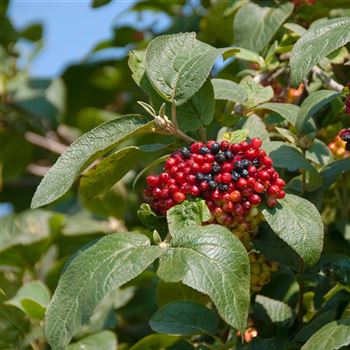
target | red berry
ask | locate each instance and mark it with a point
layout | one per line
(215, 195)
(259, 187)
(210, 143)
(206, 168)
(203, 186)
(267, 161)
(194, 191)
(224, 145)
(263, 175)
(251, 154)
(156, 193)
(228, 207)
(273, 189)
(173, 189)
(196, 146)
(281, 194)
(225, 197)
(209, 158)
(227, 167)
(173, 170)
(191, 179)
(180, 178)
(262, 153)
(170, 162)
(252, 170)
(171, 182)
(244, 145)
(152, 180)
(251, 181)
(241, 183)
(179, 197)
(255, 143)
(165, 193)
(226, 178)
(235, 148)
(235, 196)
(280, 182)
(164, 177)
(246, 205)
(254, 199)
(218, 178)
(271, 201)
(239, 210)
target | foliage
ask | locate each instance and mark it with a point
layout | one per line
(98, 268)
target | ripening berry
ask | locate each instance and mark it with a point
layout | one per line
(179, 197)
(152, 181)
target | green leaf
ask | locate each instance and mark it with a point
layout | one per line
(155, 341)
(213, 261)
(330, 172)
(184, 318)
(99, 3)
(83, 151)
(287, 111)
(286, 134)
(195, 113)
(25, 236)
(42, 98)
(315, 324)
(255, 25)
(94, 272)
(330, 337)
(312, 104)
(32, 298)
(319, 41)
(319, 153)
(170, 292)
(33, 32)
(234, 136)
(105, 340)
(287, 156)
(295, 28)
(249, 56)
(276, 311)
(100, 178)
(297, 221)
(257, 128)
(187, 214)
(151, 220)
(178, 65)
(256, 92)
(228, 90)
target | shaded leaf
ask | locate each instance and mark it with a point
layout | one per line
(184, 318)
(155, 341)
(332, 336)
(105, 340)
(32, 298)
(228, 90)
(151, 220)
(256, 128)
(312, 104)
(287, 111)
(256, 92)
(255, 24)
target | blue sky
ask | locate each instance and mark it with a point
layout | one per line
(71, 27)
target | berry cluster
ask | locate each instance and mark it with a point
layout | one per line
(345, 135)
(232, 178)
(339, 146)
(260, 271)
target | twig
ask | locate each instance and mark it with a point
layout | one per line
(37, 170)
(45, 142)
(301, 294)
(173, 115)
(327, 80)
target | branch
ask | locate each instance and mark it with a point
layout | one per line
(327, 80)
(45, 142)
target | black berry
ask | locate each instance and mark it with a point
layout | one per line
(244, 173)
(185, 152)
(215, 148)
(223, 187)
(220, 157)
(204, 150)
(216, 168)
(200, 177)
(228, 155)
(212, 184)
(235, 175)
